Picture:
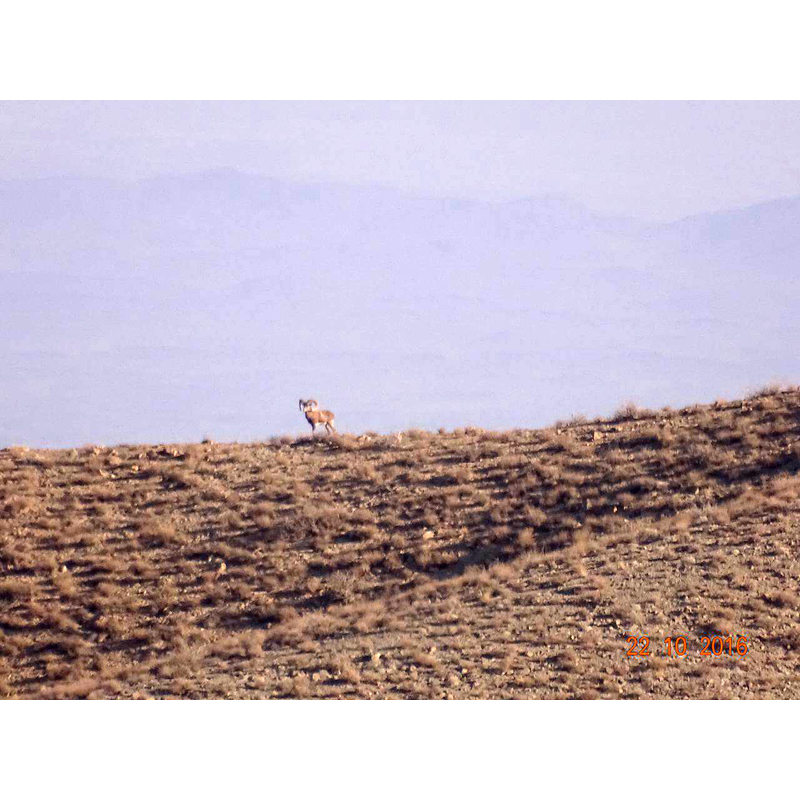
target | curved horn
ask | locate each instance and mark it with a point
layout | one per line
(316, 404)
(302, 404)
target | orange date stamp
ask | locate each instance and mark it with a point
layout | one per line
(643, 646)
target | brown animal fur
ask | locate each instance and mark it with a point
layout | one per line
(317, 417)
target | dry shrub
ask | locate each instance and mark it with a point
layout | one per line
(767, 391)
(16, 589)
(567, 660)
(580, 540)
(526, 538)
(511, 461)
(165, 596)
(428, 660)
(626, 412)
(366, 472)
(300, 687)
(17, 506)
(534, 516)
(232, 521)
(65, 584)
(180, 478)
(342, 667)
(784, 599)
(215, 494)
(160, 533)
(719, 516)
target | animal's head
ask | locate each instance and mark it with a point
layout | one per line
(308, 405)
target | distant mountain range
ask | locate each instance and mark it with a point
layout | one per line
(206, 304)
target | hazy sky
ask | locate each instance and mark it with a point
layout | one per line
(203, 303)
(652, 160)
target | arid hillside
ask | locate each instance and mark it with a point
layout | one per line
(461, 564)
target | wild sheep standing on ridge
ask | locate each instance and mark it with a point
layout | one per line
(316, 417)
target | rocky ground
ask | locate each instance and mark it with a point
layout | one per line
(461, 564)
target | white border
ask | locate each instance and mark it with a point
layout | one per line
(353, 49)
(366, 748)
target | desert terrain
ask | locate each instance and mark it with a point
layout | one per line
(455, 564)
